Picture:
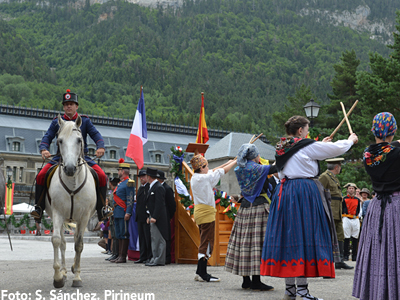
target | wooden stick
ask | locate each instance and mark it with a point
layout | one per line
(252, 141)
(341, 123)
(347, 119)
(252, 138)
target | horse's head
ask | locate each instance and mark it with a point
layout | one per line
(70, 144)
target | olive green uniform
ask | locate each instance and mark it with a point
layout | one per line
(331, 183)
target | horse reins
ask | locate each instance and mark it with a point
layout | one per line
(72, 193)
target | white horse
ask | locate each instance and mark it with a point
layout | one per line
(72, 198)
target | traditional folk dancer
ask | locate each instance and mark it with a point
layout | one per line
(300, 233)
(246, 241)
(377, 270)
(202, 183)
(351, 213)
(331, 183)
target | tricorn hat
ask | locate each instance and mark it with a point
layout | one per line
(161, 174)
(151, 172)
(123, 164)
(70, 97)
(350, 184)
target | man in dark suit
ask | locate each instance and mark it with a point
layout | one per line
(157, 218)
(141, 219)
(171, 208)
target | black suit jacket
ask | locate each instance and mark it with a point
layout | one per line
(169, 200)
(141, 215)
(155, 204)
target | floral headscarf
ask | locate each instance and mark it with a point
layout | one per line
(383, 125)
(246, 152)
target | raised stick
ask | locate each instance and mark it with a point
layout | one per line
(252, 138)
(341, 123)
(347, 119)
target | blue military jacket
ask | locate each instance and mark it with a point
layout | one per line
(86, 128)
(126, 191)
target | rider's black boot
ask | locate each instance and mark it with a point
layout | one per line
(39, 202)
(101, 200)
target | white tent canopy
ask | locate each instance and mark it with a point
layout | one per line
(22, 208)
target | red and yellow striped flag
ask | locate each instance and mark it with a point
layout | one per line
(9, 199)
(202, 132)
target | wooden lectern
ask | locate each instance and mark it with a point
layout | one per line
(197, 148)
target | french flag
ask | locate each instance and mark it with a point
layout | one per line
(138, 135)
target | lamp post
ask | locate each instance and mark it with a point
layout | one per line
(9, 176)
(312, 110)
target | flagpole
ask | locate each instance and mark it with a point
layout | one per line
(137, 168)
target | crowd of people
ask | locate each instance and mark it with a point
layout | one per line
(293, 221)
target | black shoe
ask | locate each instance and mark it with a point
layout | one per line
(246, 282)
(114, 256)
(261, 287)
(152, 265)
(343, 265)
(140, 261)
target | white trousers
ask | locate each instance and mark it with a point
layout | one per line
(351, 228)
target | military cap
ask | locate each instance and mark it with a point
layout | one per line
(70, 97)
(336, 160)
(123, 164)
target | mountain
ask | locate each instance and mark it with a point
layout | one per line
(247, 56)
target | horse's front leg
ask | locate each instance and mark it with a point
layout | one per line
(63, 246)
(59, 277)
(76, 268)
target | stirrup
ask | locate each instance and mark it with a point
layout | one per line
(306, 293)
(290, 295)
(37, 213)
(107, 211)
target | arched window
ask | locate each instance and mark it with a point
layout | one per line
(113, 154)
(158, 158)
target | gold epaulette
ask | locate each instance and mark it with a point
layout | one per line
(130, 183)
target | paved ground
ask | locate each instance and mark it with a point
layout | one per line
(28, 269)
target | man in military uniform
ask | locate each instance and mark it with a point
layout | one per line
(331, 183)
(70, 106)
(113, 182)
(351, 212)
(123, 195)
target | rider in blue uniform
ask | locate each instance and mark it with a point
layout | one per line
(124, 195)
(70, 105)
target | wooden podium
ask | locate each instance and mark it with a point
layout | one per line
(197, 148)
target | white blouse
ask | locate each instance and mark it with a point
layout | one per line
(304, 163)
(202, 186)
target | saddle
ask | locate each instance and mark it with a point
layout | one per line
(50, 173)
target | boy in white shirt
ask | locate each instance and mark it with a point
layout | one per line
(202, 183)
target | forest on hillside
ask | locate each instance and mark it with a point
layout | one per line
(247, 56)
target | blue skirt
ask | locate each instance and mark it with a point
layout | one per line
(298, 240)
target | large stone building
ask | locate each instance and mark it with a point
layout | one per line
(21, 131)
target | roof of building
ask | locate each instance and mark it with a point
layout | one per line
(230, 144)
(27, 126)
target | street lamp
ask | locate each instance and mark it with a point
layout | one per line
(312, 110)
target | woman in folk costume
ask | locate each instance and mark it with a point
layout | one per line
(377, 273)
(300, 233)
(245, 244)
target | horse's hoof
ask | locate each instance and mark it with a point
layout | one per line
(77, 283)
(59, 284)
